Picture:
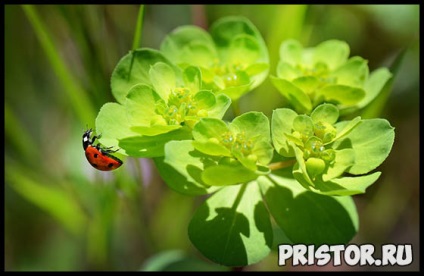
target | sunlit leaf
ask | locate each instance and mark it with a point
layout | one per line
(307, 217)
(232, 227)
(133, 69)
(372, 141)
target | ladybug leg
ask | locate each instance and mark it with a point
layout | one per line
(99, 147)
(95, 137)
(112, 151)
(109, 150)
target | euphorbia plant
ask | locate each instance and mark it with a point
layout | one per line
(325, 149)
(308, 77)
(301, 168)
(233, 58)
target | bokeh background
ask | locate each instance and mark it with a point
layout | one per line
(61, 214)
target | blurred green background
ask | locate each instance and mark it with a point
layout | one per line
(61, 214)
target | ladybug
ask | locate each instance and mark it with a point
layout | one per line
(100, 158)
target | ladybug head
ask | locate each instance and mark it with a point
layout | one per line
(86, 141)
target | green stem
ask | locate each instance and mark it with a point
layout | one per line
(281, 165)
(236, 108)
(138, 28)
(239, 196)
(77, 98)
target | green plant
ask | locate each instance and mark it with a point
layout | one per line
(301, 168)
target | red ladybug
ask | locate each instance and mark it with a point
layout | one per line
(100, 158)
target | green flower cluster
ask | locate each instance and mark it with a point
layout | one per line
(163, 94)
(311, 76)
(170, 105)
(244, 147)
(325, 148)
(233, 57)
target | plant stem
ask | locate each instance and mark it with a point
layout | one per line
(281, 165)
(138, 28)
(236, 108)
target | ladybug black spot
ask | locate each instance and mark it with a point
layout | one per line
(95, 155)
(110, 165)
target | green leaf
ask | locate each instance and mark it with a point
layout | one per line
(337, 186)
(190, 45)
(237, 48)
(250, 130)
(223, 102)
(375, 107)
(229, 174)
(353, 73)
(205, 99)
(304, 125)
(343, 128)
(152, 146)
(216, 80)
(163, 79)
(198, 54)
(234, 34)
(345, 95)
(236, 79)
(208, 133)
(208, 128)
(331, 52)
(235, 92)
(228, 28)
(248, 162)
(211, 148)
(243, 49)
(140, 105)
(112, 123)
(299, 99)
(372, 141)
(307, 84)
(155, 129)
(282, 122)
(254, 125)
(307, 217)
(287, 71)
(374, 85)
(327, 113)
(183, 182)
(192, 78)
(344, 159)
(345, 186)
(182, 168)
(290, 53)
(264, 151)
(232, 227)
(133, 69)
(257, 68)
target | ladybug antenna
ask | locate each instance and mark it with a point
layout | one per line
(86, 128)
